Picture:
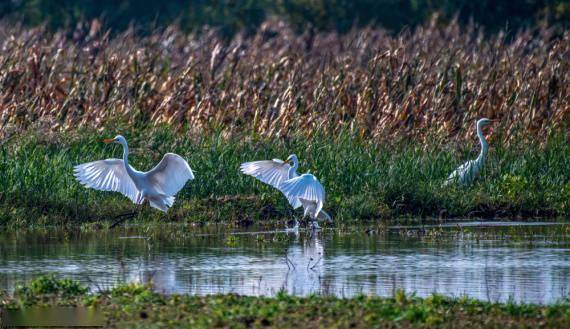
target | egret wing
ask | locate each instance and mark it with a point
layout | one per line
(462, 173)
(272, 172)
(305, 187)
(170, 174)
(107, 175)
(293, 201)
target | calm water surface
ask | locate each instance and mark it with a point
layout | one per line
(496, 263)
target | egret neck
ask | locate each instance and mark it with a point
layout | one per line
(293, 169)
(126, 156)
(484, 146)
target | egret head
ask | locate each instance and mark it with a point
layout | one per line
(294, 159)
(484, 122)
(482, 128)
(118, 139)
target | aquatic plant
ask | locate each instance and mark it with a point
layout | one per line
(129, 305)
(49, 289)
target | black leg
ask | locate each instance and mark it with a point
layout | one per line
(122, 217)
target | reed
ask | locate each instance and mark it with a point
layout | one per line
(433, 80)
(381, 119)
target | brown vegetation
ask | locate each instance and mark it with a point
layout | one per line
(436, 79)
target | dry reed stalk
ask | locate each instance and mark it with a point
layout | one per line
(436, 79)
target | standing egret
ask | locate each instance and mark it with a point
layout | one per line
(467, 172)
(158, 186)
(277, 172)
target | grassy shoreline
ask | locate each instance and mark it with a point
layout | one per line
(138, 305)
(381, 119)
(364, 180)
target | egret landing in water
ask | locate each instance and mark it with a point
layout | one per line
(158, 186)
(467, 172)
(304, 190)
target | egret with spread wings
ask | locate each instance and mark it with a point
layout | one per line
(304, 190)
(159, 185)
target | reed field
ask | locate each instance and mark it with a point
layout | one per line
(381, 119)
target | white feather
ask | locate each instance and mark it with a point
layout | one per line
(469, 171)
(158, 186)
(273, 172)
(464, 174)
(108, 175)
(170, 174)
(309, 191)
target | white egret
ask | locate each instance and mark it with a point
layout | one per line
(158, 186)
(299, 190)
(467, 172)
(274, 172)
(309, 191)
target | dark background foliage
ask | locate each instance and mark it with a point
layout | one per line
(234, 15)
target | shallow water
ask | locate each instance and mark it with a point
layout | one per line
(495, 263)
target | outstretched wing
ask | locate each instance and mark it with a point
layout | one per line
(170, 174)
(107, 175)
(305, 187)
(272, 172)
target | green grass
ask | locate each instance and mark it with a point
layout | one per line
(132, 305)
(364, 179)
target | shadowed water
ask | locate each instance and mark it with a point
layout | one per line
(496, 263)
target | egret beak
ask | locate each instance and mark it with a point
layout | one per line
(108, 140)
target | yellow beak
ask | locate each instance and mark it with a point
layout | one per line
(108, 140)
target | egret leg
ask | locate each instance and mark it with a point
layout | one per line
(295, 227)
(122, 217)
(291, 213)
(315, 225)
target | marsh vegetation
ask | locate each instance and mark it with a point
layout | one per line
(381, 118)
(129, 305)
(381, 181)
